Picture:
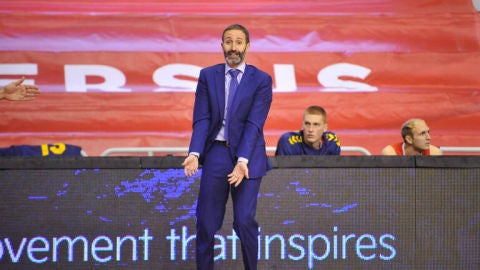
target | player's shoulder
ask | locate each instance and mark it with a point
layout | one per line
(389, 150)
(213, 68)
(292, 137)
(257, 72)
(329, 132)
(435, 151)
(330, 135)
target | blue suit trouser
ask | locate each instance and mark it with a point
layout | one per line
(212, 199)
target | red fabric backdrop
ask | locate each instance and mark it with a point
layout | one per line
(122, 73)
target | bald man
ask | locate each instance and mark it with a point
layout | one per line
(416, 141)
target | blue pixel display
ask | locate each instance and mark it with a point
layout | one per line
(314, 218)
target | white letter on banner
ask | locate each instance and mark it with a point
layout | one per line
(165, 78)
(18, 70)
(76, 78)
(329, 77)
(285, 80)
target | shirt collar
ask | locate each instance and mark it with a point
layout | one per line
(241, 68)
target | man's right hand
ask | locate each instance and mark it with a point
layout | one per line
(190, 165)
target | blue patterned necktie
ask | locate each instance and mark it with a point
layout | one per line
(231, 93)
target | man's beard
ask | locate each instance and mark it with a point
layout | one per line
(234, 62)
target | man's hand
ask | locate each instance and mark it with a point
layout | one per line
(16, 91)
(190, 165)
(239, 172)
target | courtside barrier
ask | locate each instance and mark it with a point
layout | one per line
(315, 212)
(150, 151)
(462, 149)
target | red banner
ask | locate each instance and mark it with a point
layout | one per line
(116, 73)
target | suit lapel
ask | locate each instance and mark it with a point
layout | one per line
(242, 87)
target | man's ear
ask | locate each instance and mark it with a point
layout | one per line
(409, 139)
(325, 128)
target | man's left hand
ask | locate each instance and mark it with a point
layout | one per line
(239, 172)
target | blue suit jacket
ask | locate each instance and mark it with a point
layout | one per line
(248, 114)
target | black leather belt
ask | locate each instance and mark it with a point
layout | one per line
(225, 143)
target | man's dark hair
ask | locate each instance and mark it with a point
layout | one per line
(237, 27)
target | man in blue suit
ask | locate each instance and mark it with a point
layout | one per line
(228, 140)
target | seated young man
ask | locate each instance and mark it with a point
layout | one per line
(416, 141)
(312, 139)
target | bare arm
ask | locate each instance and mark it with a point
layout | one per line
(435, 151)
(388, 151)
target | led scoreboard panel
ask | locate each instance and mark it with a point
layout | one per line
(314, 213)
